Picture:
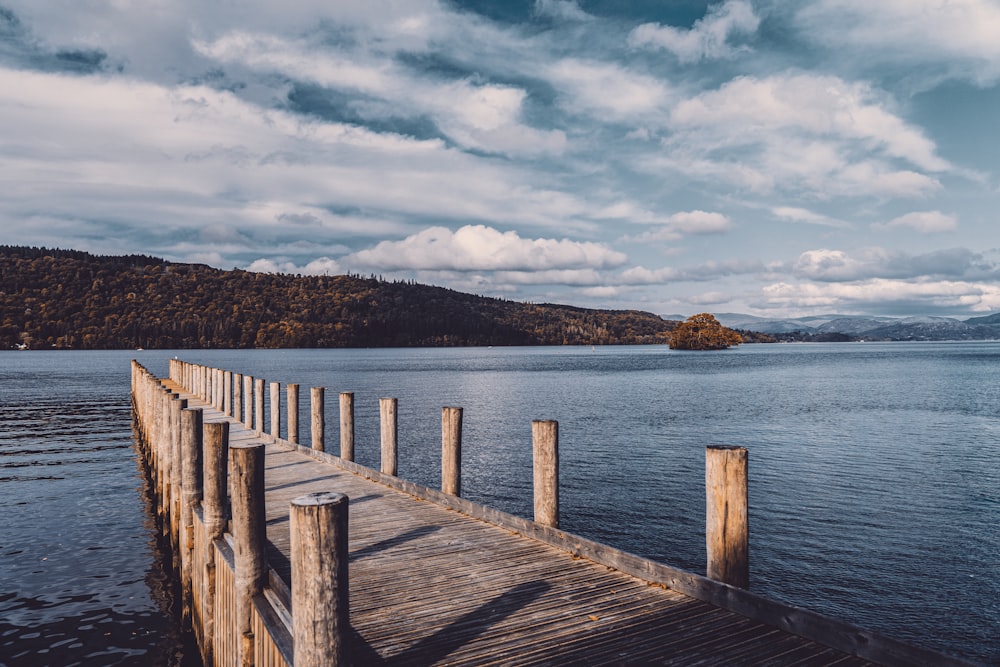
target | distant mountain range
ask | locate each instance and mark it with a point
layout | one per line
(853, 327)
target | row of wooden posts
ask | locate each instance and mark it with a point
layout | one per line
(204, 486)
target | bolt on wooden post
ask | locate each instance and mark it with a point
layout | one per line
(317, 397)
(727, 526)
(451, 451)
(318, 525)
(347, 426)
(545, 448)
(390, 434)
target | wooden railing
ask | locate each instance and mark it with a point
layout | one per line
(210, 504)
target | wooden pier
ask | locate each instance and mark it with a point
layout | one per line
(289, 555)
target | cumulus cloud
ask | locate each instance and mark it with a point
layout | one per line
(925, 222)
(481, 248)
(707, 39)
(323, 266)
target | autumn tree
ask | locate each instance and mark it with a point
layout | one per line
(703, 332)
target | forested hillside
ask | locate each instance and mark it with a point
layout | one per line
(73, 300)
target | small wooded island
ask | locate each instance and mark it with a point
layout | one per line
(66, 299)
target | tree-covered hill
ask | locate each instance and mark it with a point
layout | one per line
(68, 299)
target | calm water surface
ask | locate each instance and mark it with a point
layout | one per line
(874, 484)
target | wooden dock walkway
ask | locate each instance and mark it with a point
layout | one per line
(437, 580)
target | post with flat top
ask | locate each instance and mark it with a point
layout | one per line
(191, 493)
(390, 434)
(347, 426)
(258, 406)
(216, 513)
(451, 451)
(545, 448)
(237, 412)
(317, 402)
(248, 401)
(727, 526)
(293, 413)
(227, 393)
(249, 550)
(276, 410)
(318, 531)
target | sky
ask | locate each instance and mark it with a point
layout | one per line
(767, 157)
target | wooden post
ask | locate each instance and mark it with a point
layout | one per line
(216, 514)
(249, 540)
(347, 426)
(293, 413)
(545, 437)
(318, 405)
(258, 406)
(727, 526)
(248, 400)
(320, 602)
(237, 413)
(276, 410)
(451, 451)
(227, 393)
(191, 492)
(390, 433)
(177, 405)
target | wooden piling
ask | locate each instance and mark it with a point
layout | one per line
(248, 401)
(390, 434)
(227, 393)
(318, 405)
(451, 451)
(276, 410)
(319, 557)
(727, 527)
(237, 412)
(347, 426)
(293, 413)
(258, 406)
(545, 448)
(191, 494)
(249, 539)
(215, 509)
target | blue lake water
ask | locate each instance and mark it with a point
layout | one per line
(874, 483)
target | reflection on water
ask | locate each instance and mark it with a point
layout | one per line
(82, 581)
(874, 489)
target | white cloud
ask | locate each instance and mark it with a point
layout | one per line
(672, 227)
(323, 266)
(607, 89)
(707, 39)
(795, 214)
(880, 293)
(481, 248)
(480, 116)
(798, 131)
(925, 222)
(567, 10)
(958, 36)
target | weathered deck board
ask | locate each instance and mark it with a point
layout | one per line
(430, 585)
